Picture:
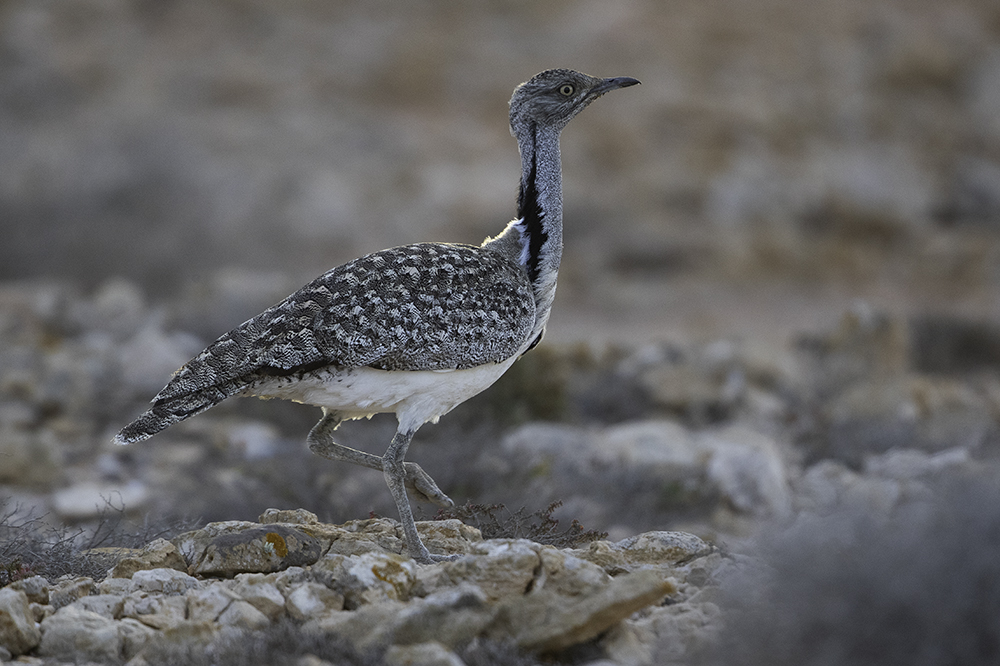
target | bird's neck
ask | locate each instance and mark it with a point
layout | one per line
(534, 239)
(539, 207)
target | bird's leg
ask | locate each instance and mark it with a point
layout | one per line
(394, 470)
(417, 481)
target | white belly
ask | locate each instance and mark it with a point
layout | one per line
(415, 396)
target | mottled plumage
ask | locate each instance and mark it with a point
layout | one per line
(413, 330)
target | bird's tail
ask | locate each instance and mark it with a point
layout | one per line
(167, 411)
(203, 382)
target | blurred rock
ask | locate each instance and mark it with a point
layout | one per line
(430, 653)
(90, 500)
(36, 588)
(68, 589)
(31, 459)
(259, 591)
(74, 633)
(18, 632)
(748, 469)
(167, 581)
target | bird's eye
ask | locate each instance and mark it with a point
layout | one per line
(566, 89)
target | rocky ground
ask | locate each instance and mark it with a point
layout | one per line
(769, 393)
(717, 474)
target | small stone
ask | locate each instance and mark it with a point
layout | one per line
(107, 605)
(747, 468)
(18, 632)
(69, 590)
(76, 634)
(422, 654)
(135, 636)
(293, 516)
(167, 581)
(259, 591)
(448, 536)
(663, 547)
(158, 554)
(158, 612)
(311, 600)
(500, 567)
(207, 604)
(36, 588)
(371, 577)
(569, 575)
(244, 616)
(548, 622)
(116, 586)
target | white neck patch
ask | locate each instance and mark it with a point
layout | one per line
(521, 229)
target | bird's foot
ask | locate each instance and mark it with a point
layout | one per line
(422, 487)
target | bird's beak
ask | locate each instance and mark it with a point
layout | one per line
(607, 85)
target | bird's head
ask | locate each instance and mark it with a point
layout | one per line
(551, 98)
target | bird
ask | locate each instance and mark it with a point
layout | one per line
(413, 330)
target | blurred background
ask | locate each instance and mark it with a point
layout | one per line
(787, 235)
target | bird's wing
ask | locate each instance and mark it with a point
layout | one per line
(429, 306)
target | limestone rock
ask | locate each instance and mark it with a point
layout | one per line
(208, 603)
(156, 611)
(18, 632)
(452, 616)
(226, 549)
(76, 634)
(649, 549)
(293, 516)
(243, 615)
(168, 581)
(68, 590)
(568, 574)
(107, 605)
(310, 600)
(546, 622)
(158, 554)
(448, 537)
(500, 567)
(36, 588)
(261, 592)
(372, 577)
(747, 468)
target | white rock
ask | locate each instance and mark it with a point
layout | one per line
(156, 611)
(108, 605)
(259, 591)
(18, 631)
(658, 443)
(208, 603)
(243, 615)
(311, 600)
(168, 581)
(77, 634)
(90, 500)
(747, 468)
(903, 464)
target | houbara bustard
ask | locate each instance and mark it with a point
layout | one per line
(414, 330)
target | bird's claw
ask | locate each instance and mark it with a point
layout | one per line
(422, 487)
